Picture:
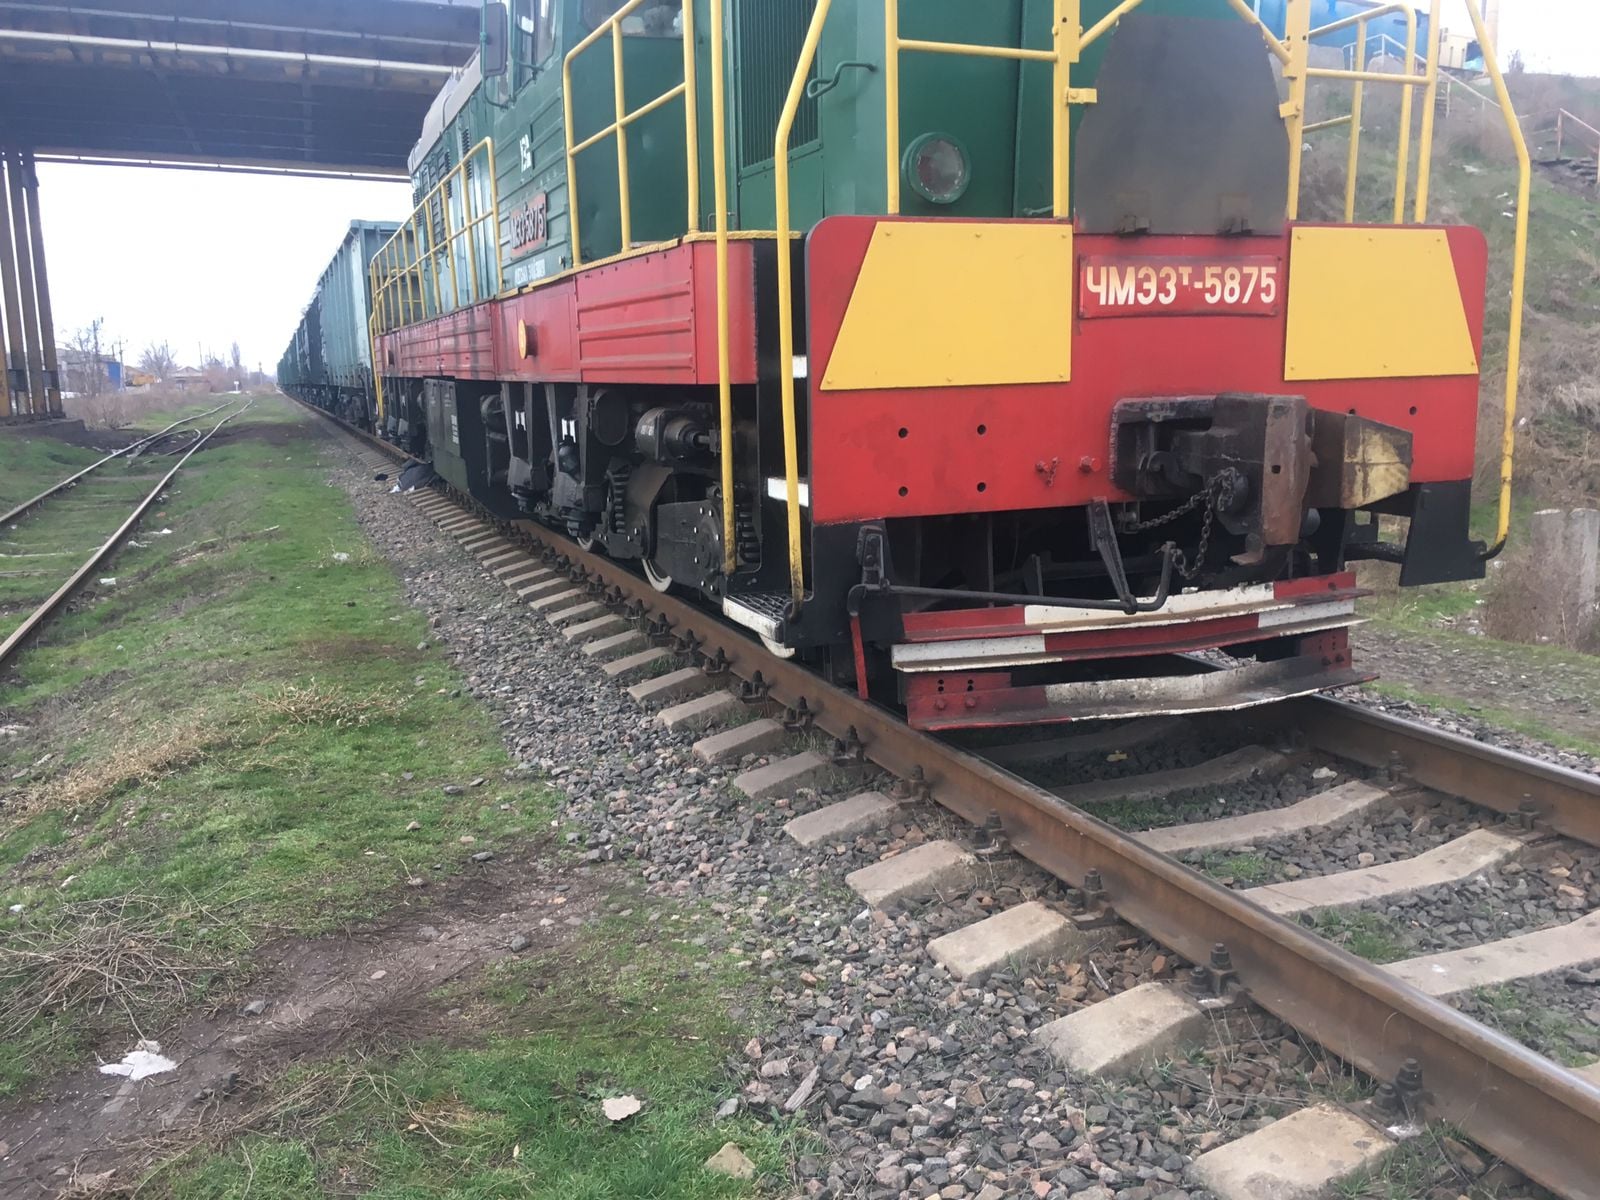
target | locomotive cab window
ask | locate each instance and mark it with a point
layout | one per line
(533, 36)
(654, 18)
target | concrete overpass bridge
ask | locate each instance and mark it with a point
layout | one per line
(305, 87)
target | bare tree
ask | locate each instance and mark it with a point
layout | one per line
(158, 360)
(84, 371)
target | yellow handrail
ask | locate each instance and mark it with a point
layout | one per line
(719, 178)
(1519, 275)
(400, 259)
(1360, 76)
(1353, 158)
(780, 184)
(618, 128)
(1297, 41)
(377, 369)
(1430, 105)
(1278, 49)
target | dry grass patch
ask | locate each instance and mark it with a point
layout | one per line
(134, 760)
(331, 706)
(90, 955)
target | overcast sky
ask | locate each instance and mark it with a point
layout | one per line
(201, 259)
(196, 258)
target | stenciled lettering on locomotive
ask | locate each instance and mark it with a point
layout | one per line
(1128, 286)
(530, 223)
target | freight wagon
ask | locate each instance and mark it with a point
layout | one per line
(329, 361)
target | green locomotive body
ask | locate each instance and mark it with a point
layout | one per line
(996, 112)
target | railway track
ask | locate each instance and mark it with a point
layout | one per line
(53, 538)
(1037, 801)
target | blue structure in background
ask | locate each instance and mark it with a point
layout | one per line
(1325, 12)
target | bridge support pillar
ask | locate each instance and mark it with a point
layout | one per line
(32, 387)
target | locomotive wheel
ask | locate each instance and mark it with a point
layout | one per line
(585, 542)
(657, 578)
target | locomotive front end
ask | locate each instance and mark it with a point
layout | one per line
(1123, 464)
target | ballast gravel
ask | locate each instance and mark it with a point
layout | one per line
(918, 1085)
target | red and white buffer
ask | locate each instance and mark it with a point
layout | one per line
(973, 667)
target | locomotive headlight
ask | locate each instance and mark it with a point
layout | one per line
(937, 168)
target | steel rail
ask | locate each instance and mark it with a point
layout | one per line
(1566, 801)
(1527, 1110)
(28, 506)
(40, 616)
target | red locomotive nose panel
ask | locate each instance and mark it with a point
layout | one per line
(1136, 330)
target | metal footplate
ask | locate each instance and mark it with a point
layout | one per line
(763, 613)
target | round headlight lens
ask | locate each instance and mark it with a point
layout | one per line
(936, 167)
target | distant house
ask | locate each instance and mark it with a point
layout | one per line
(187, 379)
(84, 373)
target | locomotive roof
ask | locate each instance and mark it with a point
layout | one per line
(452, 98)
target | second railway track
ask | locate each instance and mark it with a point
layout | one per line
(1395, 1021)
(66, 534)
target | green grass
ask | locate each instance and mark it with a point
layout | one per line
(1367, 935)
(233, 723)
(34, 462)
(241, 734)
(1244, 869)
(618, 1013)
(1517, 1013)
(1407, 1173)
(41, 549)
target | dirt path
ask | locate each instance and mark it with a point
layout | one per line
(361, 991)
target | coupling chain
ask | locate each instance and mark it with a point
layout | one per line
(1217, 493)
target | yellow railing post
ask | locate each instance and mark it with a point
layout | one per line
(377, 371)
(1353, 166)
(572, 164)
(1519, 274)
(1065, 34)
(780, 180)
(1430, 105)
(691, 109)
(891, 103)
(1402, 168)
(719, 187)
(624, 199)
(1297, 38)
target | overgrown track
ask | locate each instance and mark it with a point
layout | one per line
(55, 489)
(57, 601)
(1532, 1113)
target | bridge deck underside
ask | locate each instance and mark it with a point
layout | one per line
(341, 85)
